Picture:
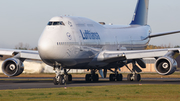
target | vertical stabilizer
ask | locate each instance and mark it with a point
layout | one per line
(141, 13)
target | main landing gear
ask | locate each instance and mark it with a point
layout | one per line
(61, 78)
(92, 77)
(133, 76)
(115, 76)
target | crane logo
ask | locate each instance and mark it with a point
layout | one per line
(69, 35)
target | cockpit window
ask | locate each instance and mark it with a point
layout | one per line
(50, 23)
(55, 23)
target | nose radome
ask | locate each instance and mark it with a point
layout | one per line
(45, 47)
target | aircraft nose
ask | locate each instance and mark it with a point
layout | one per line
(45, 47)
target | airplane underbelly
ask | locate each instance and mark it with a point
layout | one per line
(75, 57)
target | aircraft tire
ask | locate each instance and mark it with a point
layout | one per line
(129, 77)
(88, 77)
(137, 77)
(119, 77)
(55, 81)
(111, 77)
(95, 78)
(69, 77)
(61, 80)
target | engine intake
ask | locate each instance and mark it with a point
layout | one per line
(165, 65)
(12, 67)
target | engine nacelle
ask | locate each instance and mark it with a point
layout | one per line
(165, 65)
(12, 67)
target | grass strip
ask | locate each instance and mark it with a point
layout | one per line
(96, 93)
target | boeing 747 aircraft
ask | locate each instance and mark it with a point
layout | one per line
(70, 42)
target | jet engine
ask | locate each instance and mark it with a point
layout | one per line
(165, 65)
(12, 67)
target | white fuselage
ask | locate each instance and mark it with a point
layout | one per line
(75, 41)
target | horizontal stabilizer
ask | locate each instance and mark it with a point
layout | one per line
(164, 33)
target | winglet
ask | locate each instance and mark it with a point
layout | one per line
(141, 13)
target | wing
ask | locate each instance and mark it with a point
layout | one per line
(163, 33)
(165, 63)
(26, 54)
(136, 54)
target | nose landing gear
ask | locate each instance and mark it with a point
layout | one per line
(61, 77)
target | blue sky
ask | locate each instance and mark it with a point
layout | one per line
(24, 20)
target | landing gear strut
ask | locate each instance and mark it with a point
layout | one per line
(115, 76)
(61, 78)
(133, 76)
(92, 77)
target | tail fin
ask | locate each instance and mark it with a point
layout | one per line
(141, 13)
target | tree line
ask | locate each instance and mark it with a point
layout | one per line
(26, 46)
(161, 46)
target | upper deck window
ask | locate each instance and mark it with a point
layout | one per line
(55, 23)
